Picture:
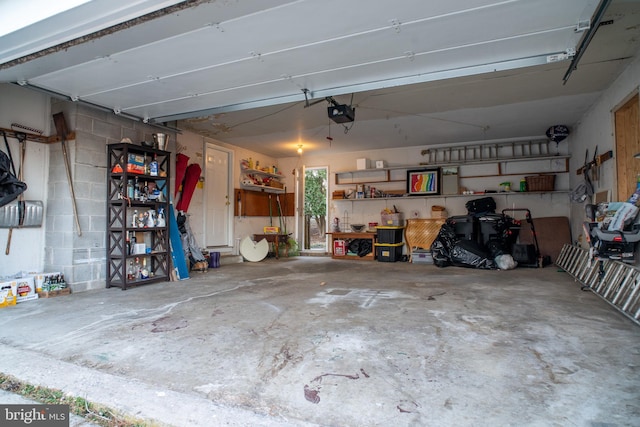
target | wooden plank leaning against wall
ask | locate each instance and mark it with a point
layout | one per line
(627, 128)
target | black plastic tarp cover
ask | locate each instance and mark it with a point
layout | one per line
(442, 245)
(362, 247)
(467, 253)
(10, 186)
(447, 249)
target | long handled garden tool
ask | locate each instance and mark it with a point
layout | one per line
(282, 229)
(22, 139)
(61, 129)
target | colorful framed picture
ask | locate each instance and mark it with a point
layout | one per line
(423, 182)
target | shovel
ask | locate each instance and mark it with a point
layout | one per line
(61, 129)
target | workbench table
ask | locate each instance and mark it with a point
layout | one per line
(348, 236)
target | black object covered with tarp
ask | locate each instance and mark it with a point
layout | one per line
(474, 240)
(361, 247)
(10, 186)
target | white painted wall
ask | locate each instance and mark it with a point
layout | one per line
(365, 211)
(29, 108)
(194, 145)
(596, 128)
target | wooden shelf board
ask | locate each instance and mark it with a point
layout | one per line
(510, 193)
(465, 163)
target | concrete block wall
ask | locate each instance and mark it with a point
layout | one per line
(83, 258)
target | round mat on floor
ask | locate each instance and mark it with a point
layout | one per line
(253, 251)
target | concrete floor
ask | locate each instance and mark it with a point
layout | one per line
(314, 341)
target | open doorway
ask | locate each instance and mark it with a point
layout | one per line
(315, 208)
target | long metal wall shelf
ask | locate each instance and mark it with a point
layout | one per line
(260, 172)
(447, 196)
(264, 188)
(387, 175)
(457, 163)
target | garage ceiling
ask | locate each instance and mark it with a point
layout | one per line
(257, 74)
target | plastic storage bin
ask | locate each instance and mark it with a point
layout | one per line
(393, 220)
(389, 252)
(387, 234)
(421, 256)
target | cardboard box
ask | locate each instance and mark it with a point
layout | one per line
(133, 168)
(48, 282)
(136, 159)
(381, 164)
(56, 293)
(362, 164)
(139, 249)
(26, 289)
(439, 214)
(5, 287)
(450, 184)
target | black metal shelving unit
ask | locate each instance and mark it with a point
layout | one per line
(122, 171)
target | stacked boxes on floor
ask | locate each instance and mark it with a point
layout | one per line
(17, 289)
(31, 286)
(389, 245)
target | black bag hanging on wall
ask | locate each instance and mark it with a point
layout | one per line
(10, 186)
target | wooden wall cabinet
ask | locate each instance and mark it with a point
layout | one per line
(262, 203)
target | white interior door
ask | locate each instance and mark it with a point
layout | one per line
(218, 214)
